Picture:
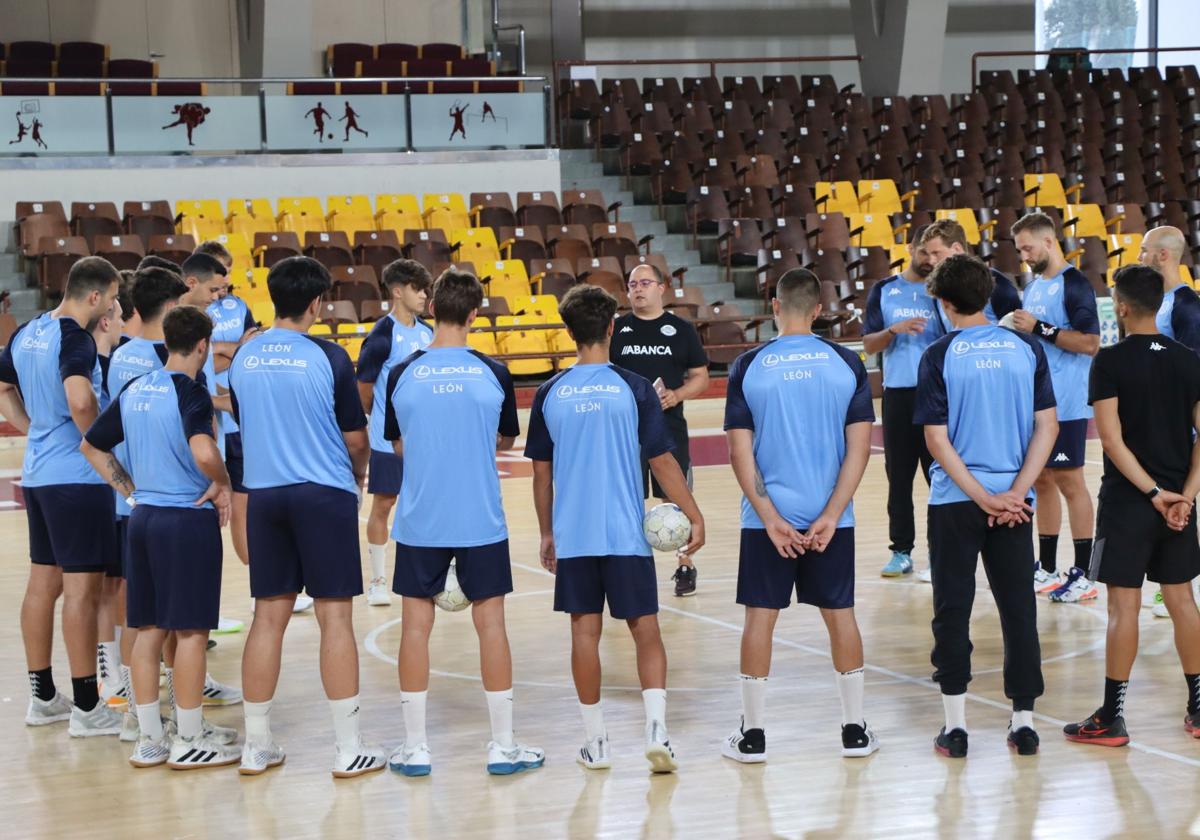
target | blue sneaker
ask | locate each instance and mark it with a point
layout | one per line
(900, 564)
(1076, 588)
(410, 761)
(514, 759)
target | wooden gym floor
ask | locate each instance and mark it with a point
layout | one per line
(55, 786)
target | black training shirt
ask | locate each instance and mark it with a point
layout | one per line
(666, 347)
(1156, 382)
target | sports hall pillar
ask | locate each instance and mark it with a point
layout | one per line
(276, 38)
(901, 43)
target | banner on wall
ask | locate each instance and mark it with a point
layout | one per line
(186, 124)
(319, 123)
(478, 120)
(47, 125)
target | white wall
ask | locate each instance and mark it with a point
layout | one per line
(271, 176)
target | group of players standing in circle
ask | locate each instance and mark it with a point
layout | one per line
(184, 422)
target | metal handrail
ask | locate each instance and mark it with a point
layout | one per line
(1076, 51)
(266, 80)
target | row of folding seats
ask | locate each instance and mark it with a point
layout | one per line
(341, 58)
(112, 76)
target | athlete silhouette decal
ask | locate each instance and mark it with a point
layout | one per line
(350, 118)
(319, 114)
(190, 115)
(456, 112)
(34, 130)
(460, 112)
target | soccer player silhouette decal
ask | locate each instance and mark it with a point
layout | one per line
(190, 115)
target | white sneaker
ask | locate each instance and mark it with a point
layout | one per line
(113, 694)
(151, 753)
(229, 625)
(43, 712)
(258, 758)
(219, 694)
(199, 752)
(858, 741)
(506, 761)
(594, 754)
(411, 761)
(1044, 582)
(131, 730)
(378, 594)
(355, 762)
(303, 602)
(1159, 610)
(658, 750)
(745, 747)
(1074, 589)
(221, 734)
(99, 721)
(925, 575)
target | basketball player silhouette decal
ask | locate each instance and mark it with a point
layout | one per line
(34, 131)
(319, 114)
(190, 115)
(350, 118)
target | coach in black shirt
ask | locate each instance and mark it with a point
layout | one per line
(1145, 392)
(660, 345)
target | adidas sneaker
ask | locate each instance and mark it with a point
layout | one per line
(199, 752)
(219, 694)
(658, 750)
(43, 712)
(362, 759)
(151, 753)
(594, 754)
(101, 720)
(259, 758)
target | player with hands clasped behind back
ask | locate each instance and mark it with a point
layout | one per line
(985, 398)
(589, 429)
(798, 417)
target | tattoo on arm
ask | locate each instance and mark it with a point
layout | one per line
(118, 477)
(760, 486)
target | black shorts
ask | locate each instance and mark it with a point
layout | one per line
(234, 462)
(72, 526)
(385, 473)
(1071, 445)
(628, 582)
(824, 579)
(174, 579)
(303, 537)
(679, 432)
(1133, 544)
(484, 571)
(117, 569)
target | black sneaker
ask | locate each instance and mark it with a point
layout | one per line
(685, 581)
(1024, 740)
(1096, 730)
(1192, 724)
(746, 746)
(858, 741)
(952, 744)
(212, 643)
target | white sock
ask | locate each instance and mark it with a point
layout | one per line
(258, 721)
(117, 628)
(754, 701)
(593, 720)
(1020, 719)
(655, 702)
(850, 689)
(500, 712)
(188, 721)
(377, 560)
(412, 705)
(345, 722)
(149, 721)
(956, 711)
(127, 681)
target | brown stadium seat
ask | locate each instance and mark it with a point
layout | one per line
(773, 264)
(827, 230)
(33, 227)
(330, 248)
(738, 243)
(334, 312)
(494, 307)
(175, 247)
(428, 247)
(355, 283)
(373, 310)
(617, 239)
(131, 68)
(658, 261)
(538, 208)
(526, 244)
(586, 207)
(270, 248)
(91, 219)
(552, 277)
(493, 210)
(148, 218)
(398, 51)
(569, 241)
(376, 248)
(342, 58)
(55, 255)
(684, 301)
(124, 252)
(604, 272)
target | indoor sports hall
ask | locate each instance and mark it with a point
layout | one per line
(534, 405)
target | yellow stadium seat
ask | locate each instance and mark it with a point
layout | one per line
(966, 218)
(247, 221)
(263, 312)
(507, 278)
(1089, 221)
(447, 211)
(1185, 276)
(484, 342)
(239, 248)
(398, 213)
(300, 214)
(1123, 249)
(524, 341)
(349, 213)
(1049, 190)
(352, 336)
(475, 245)
(320, 329)
(840, 194)
(879, 197)
(202, 218)
(560, 342)
(876, 230)
(544, 305)
(899, 251)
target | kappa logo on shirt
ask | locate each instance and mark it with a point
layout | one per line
(1061, 457)
(626, 329)
(1154, 345)
(895, 290)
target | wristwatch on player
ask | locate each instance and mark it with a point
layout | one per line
(1153, 491)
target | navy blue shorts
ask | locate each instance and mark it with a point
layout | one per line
(385, 473)
(72, 526)
(303, 537)
(174, 576)
(824, 579)
(628, 582)
(484, 571)
(1071, 446)
(117, 569)
(234, 462)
